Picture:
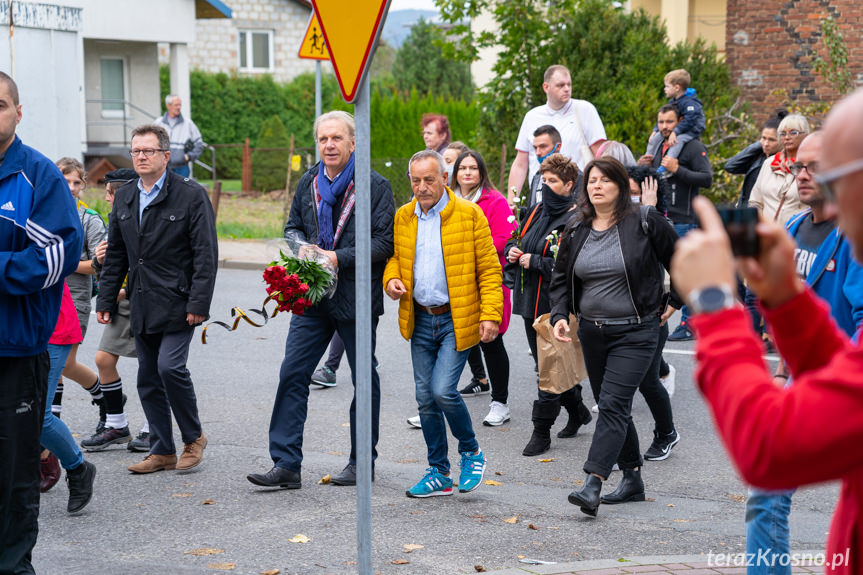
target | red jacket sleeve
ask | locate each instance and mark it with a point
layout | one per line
(783, 438)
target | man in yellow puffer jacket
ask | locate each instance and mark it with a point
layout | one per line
(447, 276)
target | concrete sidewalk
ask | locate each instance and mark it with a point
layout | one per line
(246, 254)
(658, 565)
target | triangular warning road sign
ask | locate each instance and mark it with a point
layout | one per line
(313, 46)
(351, 29)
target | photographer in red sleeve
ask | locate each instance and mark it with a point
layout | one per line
(811, 432)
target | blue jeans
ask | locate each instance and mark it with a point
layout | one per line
(56, 437)
(437, 368)
(308, 338)
(682, 230)
(767, 540)
(182, 170)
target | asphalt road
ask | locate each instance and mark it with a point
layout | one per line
(149, 524)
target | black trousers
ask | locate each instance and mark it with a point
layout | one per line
(497, 363)
(23, 384)
(655, 394)
(617, 358)
(165, 387)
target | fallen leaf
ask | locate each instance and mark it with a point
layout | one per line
(498, 472)
(400, 562)
(325, 479)
(181, 495)
(520, 556)
(408, 460)
(532, 526)
(346, 424)
(222, 566)
(271, 572)
(556, 479)
(208, 502)
(736, 497)
(417, 512)
(410, 547)
(203, 551)
(682, 520)
(299, 538)
(650, 498)
(579, 481)
(477, 516)
(350, 563)
(492, 482)
(76, 435)
(336, 453)
(549, 460)
(512, 520)
(670, 505)
(479, 568)
(559, 528)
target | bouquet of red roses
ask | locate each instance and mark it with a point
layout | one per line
(297, 283)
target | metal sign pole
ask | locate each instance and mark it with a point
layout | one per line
(363, 361)
(318, 111)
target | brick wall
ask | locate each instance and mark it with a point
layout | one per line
(217, 41)
(770, 45)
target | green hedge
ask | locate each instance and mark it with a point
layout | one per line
(228, 109)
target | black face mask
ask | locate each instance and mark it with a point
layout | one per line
(555, 204)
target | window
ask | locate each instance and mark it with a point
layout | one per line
(113, 87)
(256, 49)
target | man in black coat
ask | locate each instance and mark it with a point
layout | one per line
(690, 171)
(322, 214)
(162, 230)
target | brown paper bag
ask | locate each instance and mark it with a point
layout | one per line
(561, 365)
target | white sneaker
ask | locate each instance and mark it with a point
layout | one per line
(498, 414)
(415, 421)
(668, 380)
(595, 408)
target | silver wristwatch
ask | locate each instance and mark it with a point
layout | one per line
(711, 299)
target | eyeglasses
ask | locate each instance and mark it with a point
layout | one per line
(792, 133)
(146, 151)
(827, 179)
(797, 167)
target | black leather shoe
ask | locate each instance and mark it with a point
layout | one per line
(276, 477)
(588, 497)
(631, 488)
(80, 481)
(347, 476)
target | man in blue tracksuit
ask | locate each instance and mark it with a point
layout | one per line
(40, 241)
(823, 257)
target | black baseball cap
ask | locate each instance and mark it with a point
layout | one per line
(121, 175)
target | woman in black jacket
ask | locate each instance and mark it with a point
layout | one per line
(531, 257)
(608, 273)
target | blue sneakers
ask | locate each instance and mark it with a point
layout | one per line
(433, 484)
(472, 470)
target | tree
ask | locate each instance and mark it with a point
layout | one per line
(420, 63)
(617, 59)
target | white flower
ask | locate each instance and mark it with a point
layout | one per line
(549, 237)
(510, 219)
(388, 164)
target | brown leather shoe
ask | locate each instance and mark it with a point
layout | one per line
(192, 453)
(155, 462)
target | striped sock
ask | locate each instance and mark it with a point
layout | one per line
(57, 402)
(114, 404)
(96, 390)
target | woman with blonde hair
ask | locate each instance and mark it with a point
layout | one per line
(775, 191)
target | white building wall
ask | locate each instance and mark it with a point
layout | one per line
(217, 41)
(46, 49)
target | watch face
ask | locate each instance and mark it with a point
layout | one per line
(711, 299)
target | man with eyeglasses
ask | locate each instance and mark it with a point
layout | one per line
(824, 262)
(811, 432)
(162, 230)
